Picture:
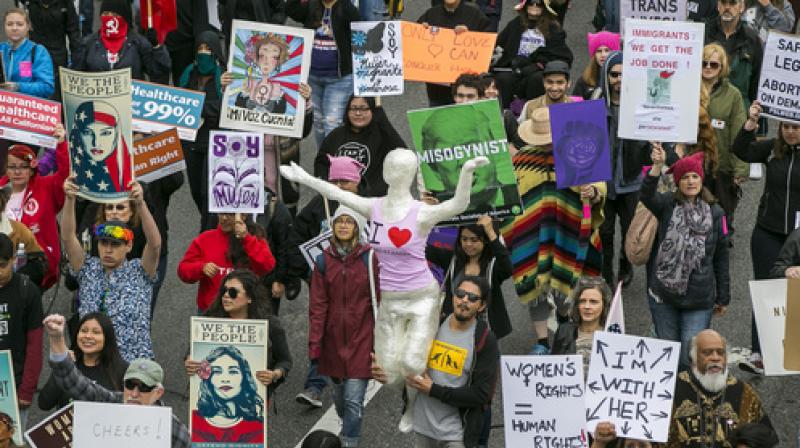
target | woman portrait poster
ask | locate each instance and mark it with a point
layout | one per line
(268, 63)
(228, 406)
(98, 122)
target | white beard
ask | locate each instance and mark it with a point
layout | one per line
(712, 382)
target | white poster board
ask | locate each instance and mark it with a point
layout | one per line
(669, 10)
(769, 308)
(543, 401)
(101, 425)
(631, 384)
(779, 85)
(661, 81)
(377, 58)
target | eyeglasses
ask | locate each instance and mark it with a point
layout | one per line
(18, 167)
(118, 207)
(232, 292)
(614, 75)
(711, 64)
(359, 110)
(136, 384)
(471, 296)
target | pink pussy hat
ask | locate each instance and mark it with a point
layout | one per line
(344, 168)
(603, 38)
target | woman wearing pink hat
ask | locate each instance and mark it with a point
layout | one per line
(600, 46)
(688, 279)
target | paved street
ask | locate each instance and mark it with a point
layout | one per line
(289, 421)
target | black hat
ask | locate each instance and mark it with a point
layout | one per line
(556, 67)
(119, 7)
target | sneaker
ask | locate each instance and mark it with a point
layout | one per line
(539, 349)
(310, 398)
(406, 422)
(753, 365)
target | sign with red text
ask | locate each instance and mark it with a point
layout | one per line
(436, 54)
(158, 156)
(779, 85)
(660, 92)
(27, 119)
(54, 431)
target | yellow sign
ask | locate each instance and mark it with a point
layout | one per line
(447, 358)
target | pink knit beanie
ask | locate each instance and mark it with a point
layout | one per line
(603, 38)
(344, 168)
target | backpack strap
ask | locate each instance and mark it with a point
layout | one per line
(372, 292)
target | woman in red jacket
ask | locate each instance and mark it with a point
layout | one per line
(342, 310)
(236, 243)
(36, 200)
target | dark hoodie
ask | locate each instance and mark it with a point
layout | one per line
(213, 90)
(368, 146)
(627, 156)
(263, 11)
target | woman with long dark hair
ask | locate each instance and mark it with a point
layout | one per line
(94, 346)
(236, 243)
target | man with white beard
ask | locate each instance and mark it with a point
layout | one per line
(709, 403)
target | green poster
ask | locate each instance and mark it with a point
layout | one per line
(446, 137)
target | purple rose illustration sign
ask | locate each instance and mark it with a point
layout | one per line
(580, 143)
(236, 172)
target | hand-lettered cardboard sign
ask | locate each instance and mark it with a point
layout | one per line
(661, 80)
(436, 54)
(158, 156)
(769, 308)
(778, 87)
(54, 431)
(377, 58)
(543, 401)
(631, 384)
(101, 425)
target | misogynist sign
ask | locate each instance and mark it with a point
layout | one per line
(54, 431)
(434, 54)
(27, 119)
(377, 58)
(661, 88)
(631, 384)
(779, 85)
(769, 308)
(158, 156)
(100, 425)
(157, 108)
(543, 401)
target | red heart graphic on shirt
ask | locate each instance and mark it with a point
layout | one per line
(399, 236)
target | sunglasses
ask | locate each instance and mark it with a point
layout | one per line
(136, 384)
(471, 296)
(711, 64)
(117, 207)
(614, 75)
(232, 292)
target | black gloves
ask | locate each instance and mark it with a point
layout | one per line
(152, 37)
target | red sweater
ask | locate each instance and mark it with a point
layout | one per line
(41, 203)
(211, 246)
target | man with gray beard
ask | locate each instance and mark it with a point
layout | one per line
(709, 403)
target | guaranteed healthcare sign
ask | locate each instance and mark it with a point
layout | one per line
(157, 108)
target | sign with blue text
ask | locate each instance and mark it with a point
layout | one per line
(157, 108)
(631, 383)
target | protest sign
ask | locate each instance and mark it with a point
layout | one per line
(615, 323)
(631, 384)
(664, 10)
(27, 119)
(377, 58)
(54, 431)
(312, 248)
(158, 156)
(101, 425)
(791, 347)
(543, 401)
(661, 80)
(236, 172)
(580, 143)
(769, 309)
(436, 54)
(157, 108)
(779, 85)
(264, 96)
(447, 137)
(230, 352)
(8, 393)
(98, 124)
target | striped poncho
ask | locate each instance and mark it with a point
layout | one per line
(552, 244)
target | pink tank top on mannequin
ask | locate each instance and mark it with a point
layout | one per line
(400, 250)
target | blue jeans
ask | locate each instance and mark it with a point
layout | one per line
(371, 10)
(678, 325)
(348, 398)
(315, 381)
(329, 97)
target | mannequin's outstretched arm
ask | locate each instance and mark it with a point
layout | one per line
(362, 205)
(432, 214)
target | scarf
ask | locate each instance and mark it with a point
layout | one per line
(684, 245)
(113, 30)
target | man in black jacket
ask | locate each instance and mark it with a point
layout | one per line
(456, 389)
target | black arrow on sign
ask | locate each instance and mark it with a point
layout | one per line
(665, 395)
(594, 387)
(667, 352)
(593, 415)
(647, 433)
(642, 346)
(625, 428)
(661, 415)
(667, 376)
(600, 345)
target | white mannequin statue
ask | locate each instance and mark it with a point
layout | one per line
(408, 318)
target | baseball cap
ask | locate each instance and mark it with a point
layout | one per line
(145, 370)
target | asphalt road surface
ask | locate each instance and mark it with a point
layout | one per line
(292, 421)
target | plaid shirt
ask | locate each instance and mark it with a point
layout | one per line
(70, 380)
